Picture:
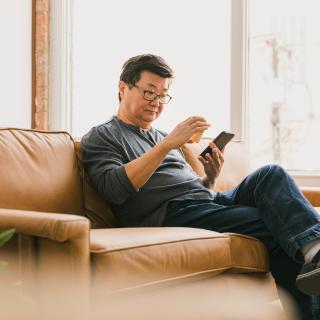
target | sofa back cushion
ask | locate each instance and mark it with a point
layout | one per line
(38, 171)
(96, 209)
(235, 168)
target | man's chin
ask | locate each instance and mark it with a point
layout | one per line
(151, 116)
(149, 120)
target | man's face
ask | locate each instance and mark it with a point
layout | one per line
(134, 107)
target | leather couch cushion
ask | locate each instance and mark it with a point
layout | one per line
(312, 194)
(38, 171)
(96, 209)
(127, 257)
(248, 254)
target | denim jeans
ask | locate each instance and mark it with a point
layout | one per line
(268, 206)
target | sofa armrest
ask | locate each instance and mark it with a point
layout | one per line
(312, 194)
(53, 226)
(60, 251)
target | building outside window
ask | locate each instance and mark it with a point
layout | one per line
(283, 115)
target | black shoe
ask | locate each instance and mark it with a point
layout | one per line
(308, 281)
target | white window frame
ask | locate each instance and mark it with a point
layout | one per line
(60, 117)
(239, 70)
(61, 26)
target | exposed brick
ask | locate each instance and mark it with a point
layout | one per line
(42, 94)
(42, 17)
(42, 31)
(42, 63)
(42, 40)
(41, 81)
(42, 6)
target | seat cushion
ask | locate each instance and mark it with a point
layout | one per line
(247, 254)
(127, 257)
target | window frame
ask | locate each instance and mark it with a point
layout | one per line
(61, 26)
(239, 70)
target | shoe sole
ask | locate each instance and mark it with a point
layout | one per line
(309, 283)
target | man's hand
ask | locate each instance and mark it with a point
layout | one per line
(212, 165)
(183, 132)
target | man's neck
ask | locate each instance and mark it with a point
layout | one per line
(120, 115)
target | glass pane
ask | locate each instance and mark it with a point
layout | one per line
(193, 36)
(15, 63)
(284, 77)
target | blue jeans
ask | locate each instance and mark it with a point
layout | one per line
(268, 206)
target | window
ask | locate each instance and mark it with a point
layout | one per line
(193, 36)
(15, 63)
(283, 84)
(247, 65)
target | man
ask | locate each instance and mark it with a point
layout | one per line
(143, 174)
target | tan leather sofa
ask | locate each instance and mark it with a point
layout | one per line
(65, 230)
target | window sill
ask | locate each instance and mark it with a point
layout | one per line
(306, 178)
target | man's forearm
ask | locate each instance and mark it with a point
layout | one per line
(141, 169)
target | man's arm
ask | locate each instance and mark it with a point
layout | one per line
(142, 168)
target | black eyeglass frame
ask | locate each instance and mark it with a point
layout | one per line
(154, 95)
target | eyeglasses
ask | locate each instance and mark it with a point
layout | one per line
(151, 95)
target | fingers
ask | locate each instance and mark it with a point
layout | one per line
(202, 160)
(197, 123)
(216, 157)
(183, 132)
(217, 151)
(195, 118)
(209, 159)
(221, 156)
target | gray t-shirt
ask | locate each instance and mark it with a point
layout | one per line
(107, 147)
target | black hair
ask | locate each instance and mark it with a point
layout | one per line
(132, 68)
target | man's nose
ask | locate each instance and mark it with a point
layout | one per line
(155, 102)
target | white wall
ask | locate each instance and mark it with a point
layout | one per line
(15, 63)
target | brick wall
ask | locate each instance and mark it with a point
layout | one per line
(40, 63)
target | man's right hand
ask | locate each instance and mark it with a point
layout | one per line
(183, 132)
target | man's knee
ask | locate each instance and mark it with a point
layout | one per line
(273, 169)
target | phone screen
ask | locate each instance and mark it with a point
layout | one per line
(220, 141)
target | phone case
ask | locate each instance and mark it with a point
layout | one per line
(220, 141)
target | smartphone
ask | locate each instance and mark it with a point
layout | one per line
(220, 141)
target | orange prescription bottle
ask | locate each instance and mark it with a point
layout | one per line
(196, 137)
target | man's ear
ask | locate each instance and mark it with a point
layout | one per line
(121, 86)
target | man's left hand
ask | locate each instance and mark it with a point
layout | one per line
(212, 165)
